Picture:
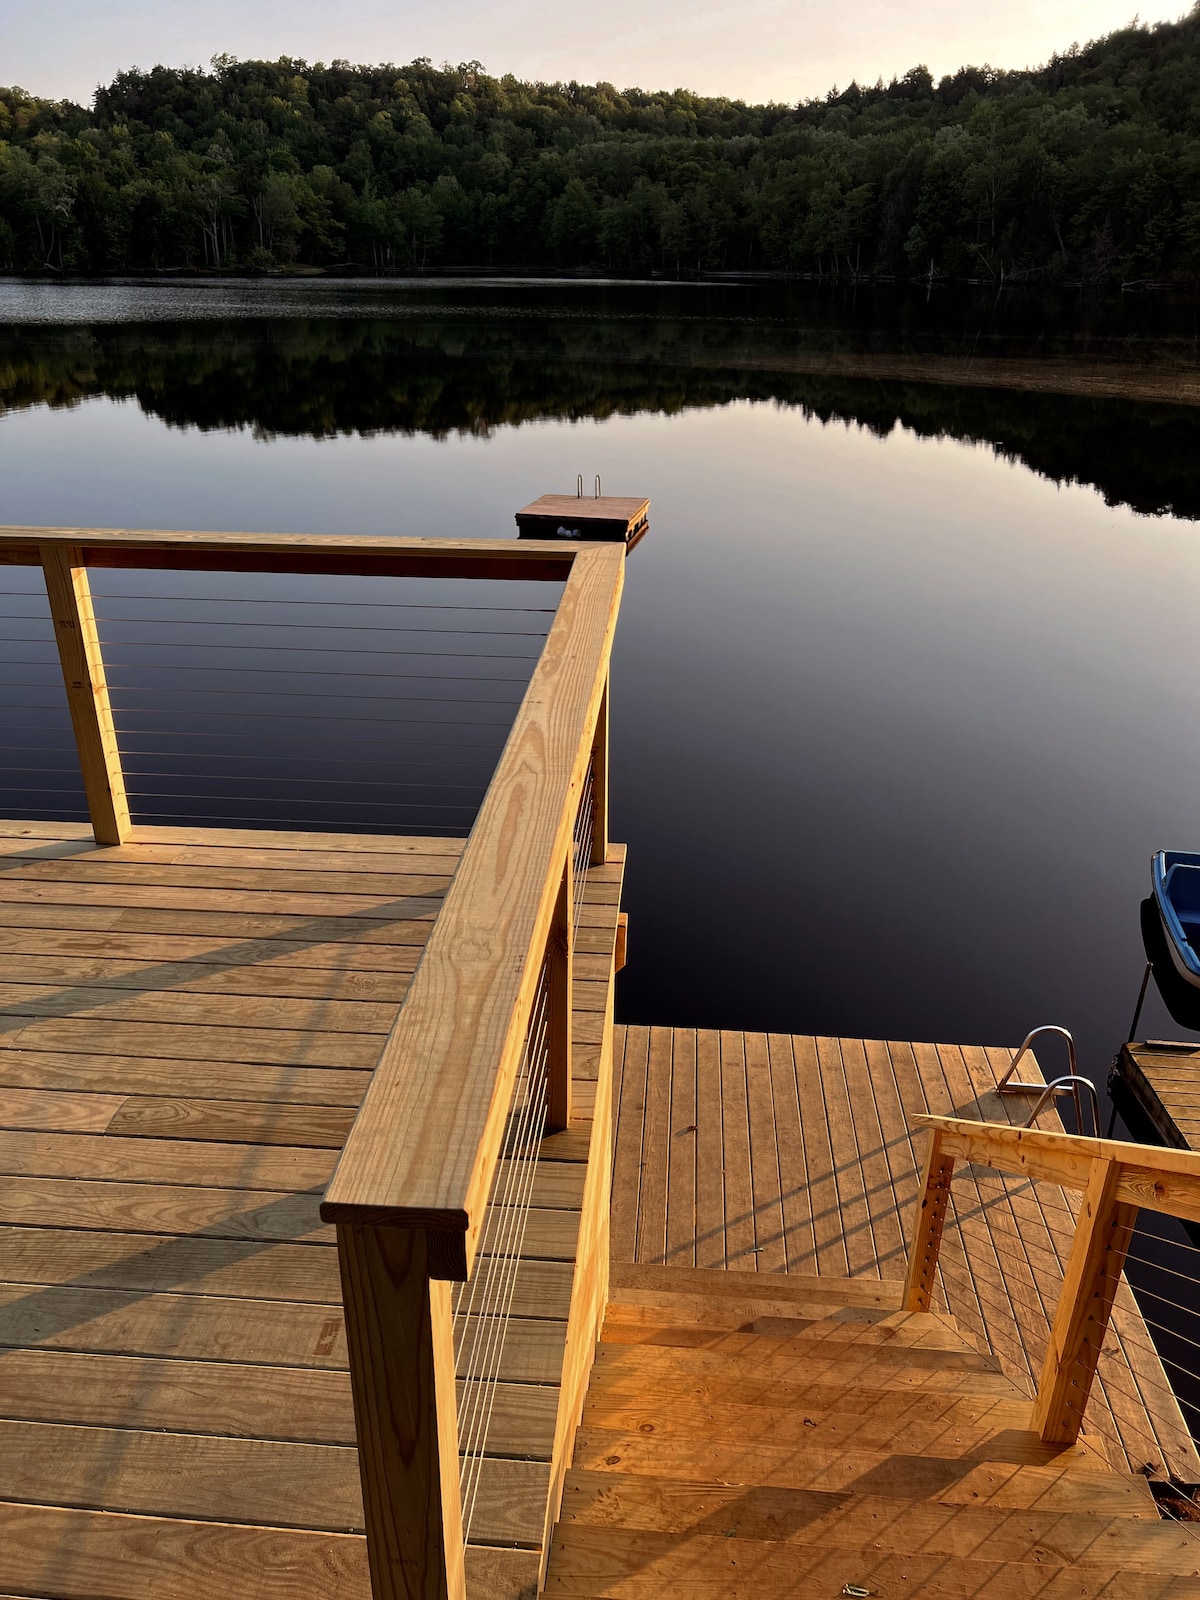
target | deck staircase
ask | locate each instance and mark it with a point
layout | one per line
(744, 1439)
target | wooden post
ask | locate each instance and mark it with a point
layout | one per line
(927, 1232)
(560, 974)
(1085, 1305)
(401, 1351)
(598, 853)
(87, 692)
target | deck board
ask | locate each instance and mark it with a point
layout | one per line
(188, 1023)
(838, 1181)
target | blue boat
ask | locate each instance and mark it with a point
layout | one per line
(1176, 878)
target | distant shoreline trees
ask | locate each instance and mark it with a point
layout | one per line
(1086, 171)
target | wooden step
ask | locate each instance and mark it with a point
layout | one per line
(735, 1313)
(626, 1564)
(697, 1376)
(934, 1424)
(868, 1522)
(627, 1279)
(840, 1469)
(735, 1327)
(746, 1356)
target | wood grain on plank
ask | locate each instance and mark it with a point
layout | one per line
(634, 1048)
(133, 1322)
(37, 942)
(95, 1004)
(183, 1475)
(163, 1209)
(192, 903)
(248, 977)
(766, 1184)
(265, 1082)
(300, 1404)
(55, 1111)
(681, 1152)
(799, 1237)
(710, 1250)
(233, 1268)
(656, 1150)
(740, 1238)
(100, 867)
(78, 1555)
(190, 1042)
(204, 1164)
(242, 1121)
(821, 1182)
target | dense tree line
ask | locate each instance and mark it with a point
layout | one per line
(1086, 170)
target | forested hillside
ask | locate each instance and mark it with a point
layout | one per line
(1087, 170)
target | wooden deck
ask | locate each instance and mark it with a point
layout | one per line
(1162, 1078)
(187, 1025)
(774, 1154)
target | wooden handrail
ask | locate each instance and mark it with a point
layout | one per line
(1115, 1178)
(362, 555)
(1158, 1179)
(426, 1139)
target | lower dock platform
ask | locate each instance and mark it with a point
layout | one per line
(774, 1153)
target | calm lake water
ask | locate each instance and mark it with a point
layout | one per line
(901, 705)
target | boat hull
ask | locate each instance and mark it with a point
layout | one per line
(1175, 876)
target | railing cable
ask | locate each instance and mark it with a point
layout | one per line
(484, 1310)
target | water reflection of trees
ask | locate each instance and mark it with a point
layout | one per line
(318, 379)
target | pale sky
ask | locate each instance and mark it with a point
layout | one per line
(754, 50)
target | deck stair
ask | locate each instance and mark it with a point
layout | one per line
(803, 1437)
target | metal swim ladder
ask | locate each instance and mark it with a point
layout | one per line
(1069, 1083)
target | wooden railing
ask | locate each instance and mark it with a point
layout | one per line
(410, 1190)
(1115, 1179)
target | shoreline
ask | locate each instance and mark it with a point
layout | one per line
(1094, 380)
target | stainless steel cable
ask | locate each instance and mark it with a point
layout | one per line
(259, 625)
(261, 777)
(251, 600)
(582, 849)
(483, 1312)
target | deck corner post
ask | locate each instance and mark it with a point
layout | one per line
(400, 1345)
(598, 844)
(78, 642)
(1085, 1305)
(560, 975)
(933, 1198)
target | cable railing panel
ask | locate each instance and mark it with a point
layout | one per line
(484, 1305)
(35, 721)
(183, 645)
